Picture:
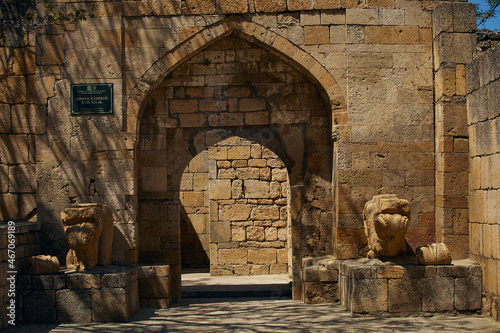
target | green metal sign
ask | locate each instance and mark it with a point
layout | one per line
(91, 98)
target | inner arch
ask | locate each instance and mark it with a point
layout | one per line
(234, 88)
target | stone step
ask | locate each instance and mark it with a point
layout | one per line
(202, 285)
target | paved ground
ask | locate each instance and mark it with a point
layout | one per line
(251, 315)
(275, 314)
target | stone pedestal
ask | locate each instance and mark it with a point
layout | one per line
(154, 286)
(105, 294)
(398, 287)
(320, 280)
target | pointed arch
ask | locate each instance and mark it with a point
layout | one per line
(250, 31)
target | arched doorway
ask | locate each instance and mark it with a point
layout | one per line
(235, 89)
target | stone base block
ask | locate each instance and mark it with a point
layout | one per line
(491, 306)
(320, 280)
(154, 286)
(105, 294)
(398, 287)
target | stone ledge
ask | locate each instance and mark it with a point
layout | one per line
(397, 287)
(104, 294)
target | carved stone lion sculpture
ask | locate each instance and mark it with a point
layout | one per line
(89, 228)
(386, 220)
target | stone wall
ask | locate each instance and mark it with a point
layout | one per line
(22, 116)
(26, 245)
(400, 288)
(454, 44)
(483, 88)
(368, 71)
(107, 294)
(249, 224)
(215, 138)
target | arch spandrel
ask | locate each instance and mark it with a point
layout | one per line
(250, 31)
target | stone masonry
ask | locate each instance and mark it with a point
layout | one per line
(355, 98)
(26, 245)
(102, 295)
(483, 89)
(399, 288)
(249, 225)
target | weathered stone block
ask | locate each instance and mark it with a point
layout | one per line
(22, 178)
(194, 7)
(234, 212)
(119, 278)
(5, 124)
(82, 280)
(39, 306)
(44, 282)
(267, 6)
(232, 6)
(112, 304)
(158, 287)
(220, 232)
(468, 293)
(29, 119)
(238, 234)
(13, 89)
(220, 189)
(369, 295)
(294, 5)
(256, 234)
(437, 294)
(316, 34)
(362, 16)
(464, 17)
(260, 213)
(454, 47)
(73, 306)
(24, 61)
(262, 256)
(310, 274)
(50, 50)
(238, 152)
(233, 257)
(256, 189)
(404, 295)
(193, 199)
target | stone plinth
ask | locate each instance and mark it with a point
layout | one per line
(397, 287)
(154, 286)
(320, 280)
(102, 295)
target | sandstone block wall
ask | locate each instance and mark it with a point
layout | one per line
(26, 245)
(22, 120)
(233, 117)
(249, 224)
(358, 72)
(453, 48)
(483, 88)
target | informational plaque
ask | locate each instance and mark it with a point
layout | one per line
(91, 98)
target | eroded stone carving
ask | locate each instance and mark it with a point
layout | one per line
(42, 264)
(433, 254)
(89, 228)
(386, 219)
